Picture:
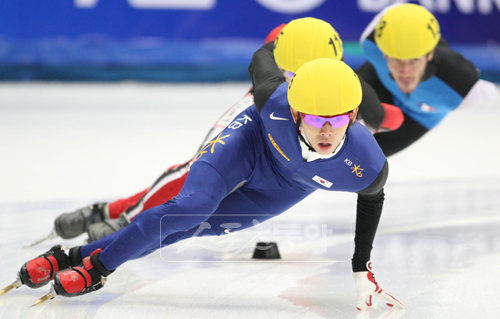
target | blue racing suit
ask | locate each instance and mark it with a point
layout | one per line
(252, 171)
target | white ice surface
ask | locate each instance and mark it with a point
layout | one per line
(67, 145)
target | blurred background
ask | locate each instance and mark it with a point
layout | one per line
(200, 40)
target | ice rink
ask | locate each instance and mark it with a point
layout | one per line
(68, 145)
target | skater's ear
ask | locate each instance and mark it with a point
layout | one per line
(353, 114)
(295, 114)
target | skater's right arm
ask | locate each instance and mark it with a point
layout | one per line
(265, 74)
(368, 212)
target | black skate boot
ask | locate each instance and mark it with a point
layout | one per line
(87, 277)
(98, 230)
(40, 270)
(70, 225)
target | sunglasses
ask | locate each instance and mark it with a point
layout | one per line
(318, 121)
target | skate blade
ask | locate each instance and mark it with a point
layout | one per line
(51, 295)
(50, 236)
(15, 284)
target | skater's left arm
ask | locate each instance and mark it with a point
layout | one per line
(461, 75)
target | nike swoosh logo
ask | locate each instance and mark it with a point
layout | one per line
(277, 118)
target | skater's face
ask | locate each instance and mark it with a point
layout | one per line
(408, 73)
(326, 138)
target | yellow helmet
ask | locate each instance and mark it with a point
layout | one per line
(407, 31)
(324, 87)
(306, 39)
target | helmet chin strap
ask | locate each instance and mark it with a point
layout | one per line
(301, 137)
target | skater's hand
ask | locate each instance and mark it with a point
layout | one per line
(367, 289)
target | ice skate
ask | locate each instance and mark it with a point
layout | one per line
(70, 225)
(90, 275)
(41, 270)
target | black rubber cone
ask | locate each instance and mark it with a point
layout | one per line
(265, 250)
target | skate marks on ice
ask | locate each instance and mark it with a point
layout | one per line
(224, 289)
(153, 287)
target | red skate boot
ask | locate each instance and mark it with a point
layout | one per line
(87, 277)
(40, 270)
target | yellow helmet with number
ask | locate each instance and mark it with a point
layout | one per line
(407, 31)
(306, 39)
(324, 87)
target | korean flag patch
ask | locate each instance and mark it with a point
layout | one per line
(322, 181)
